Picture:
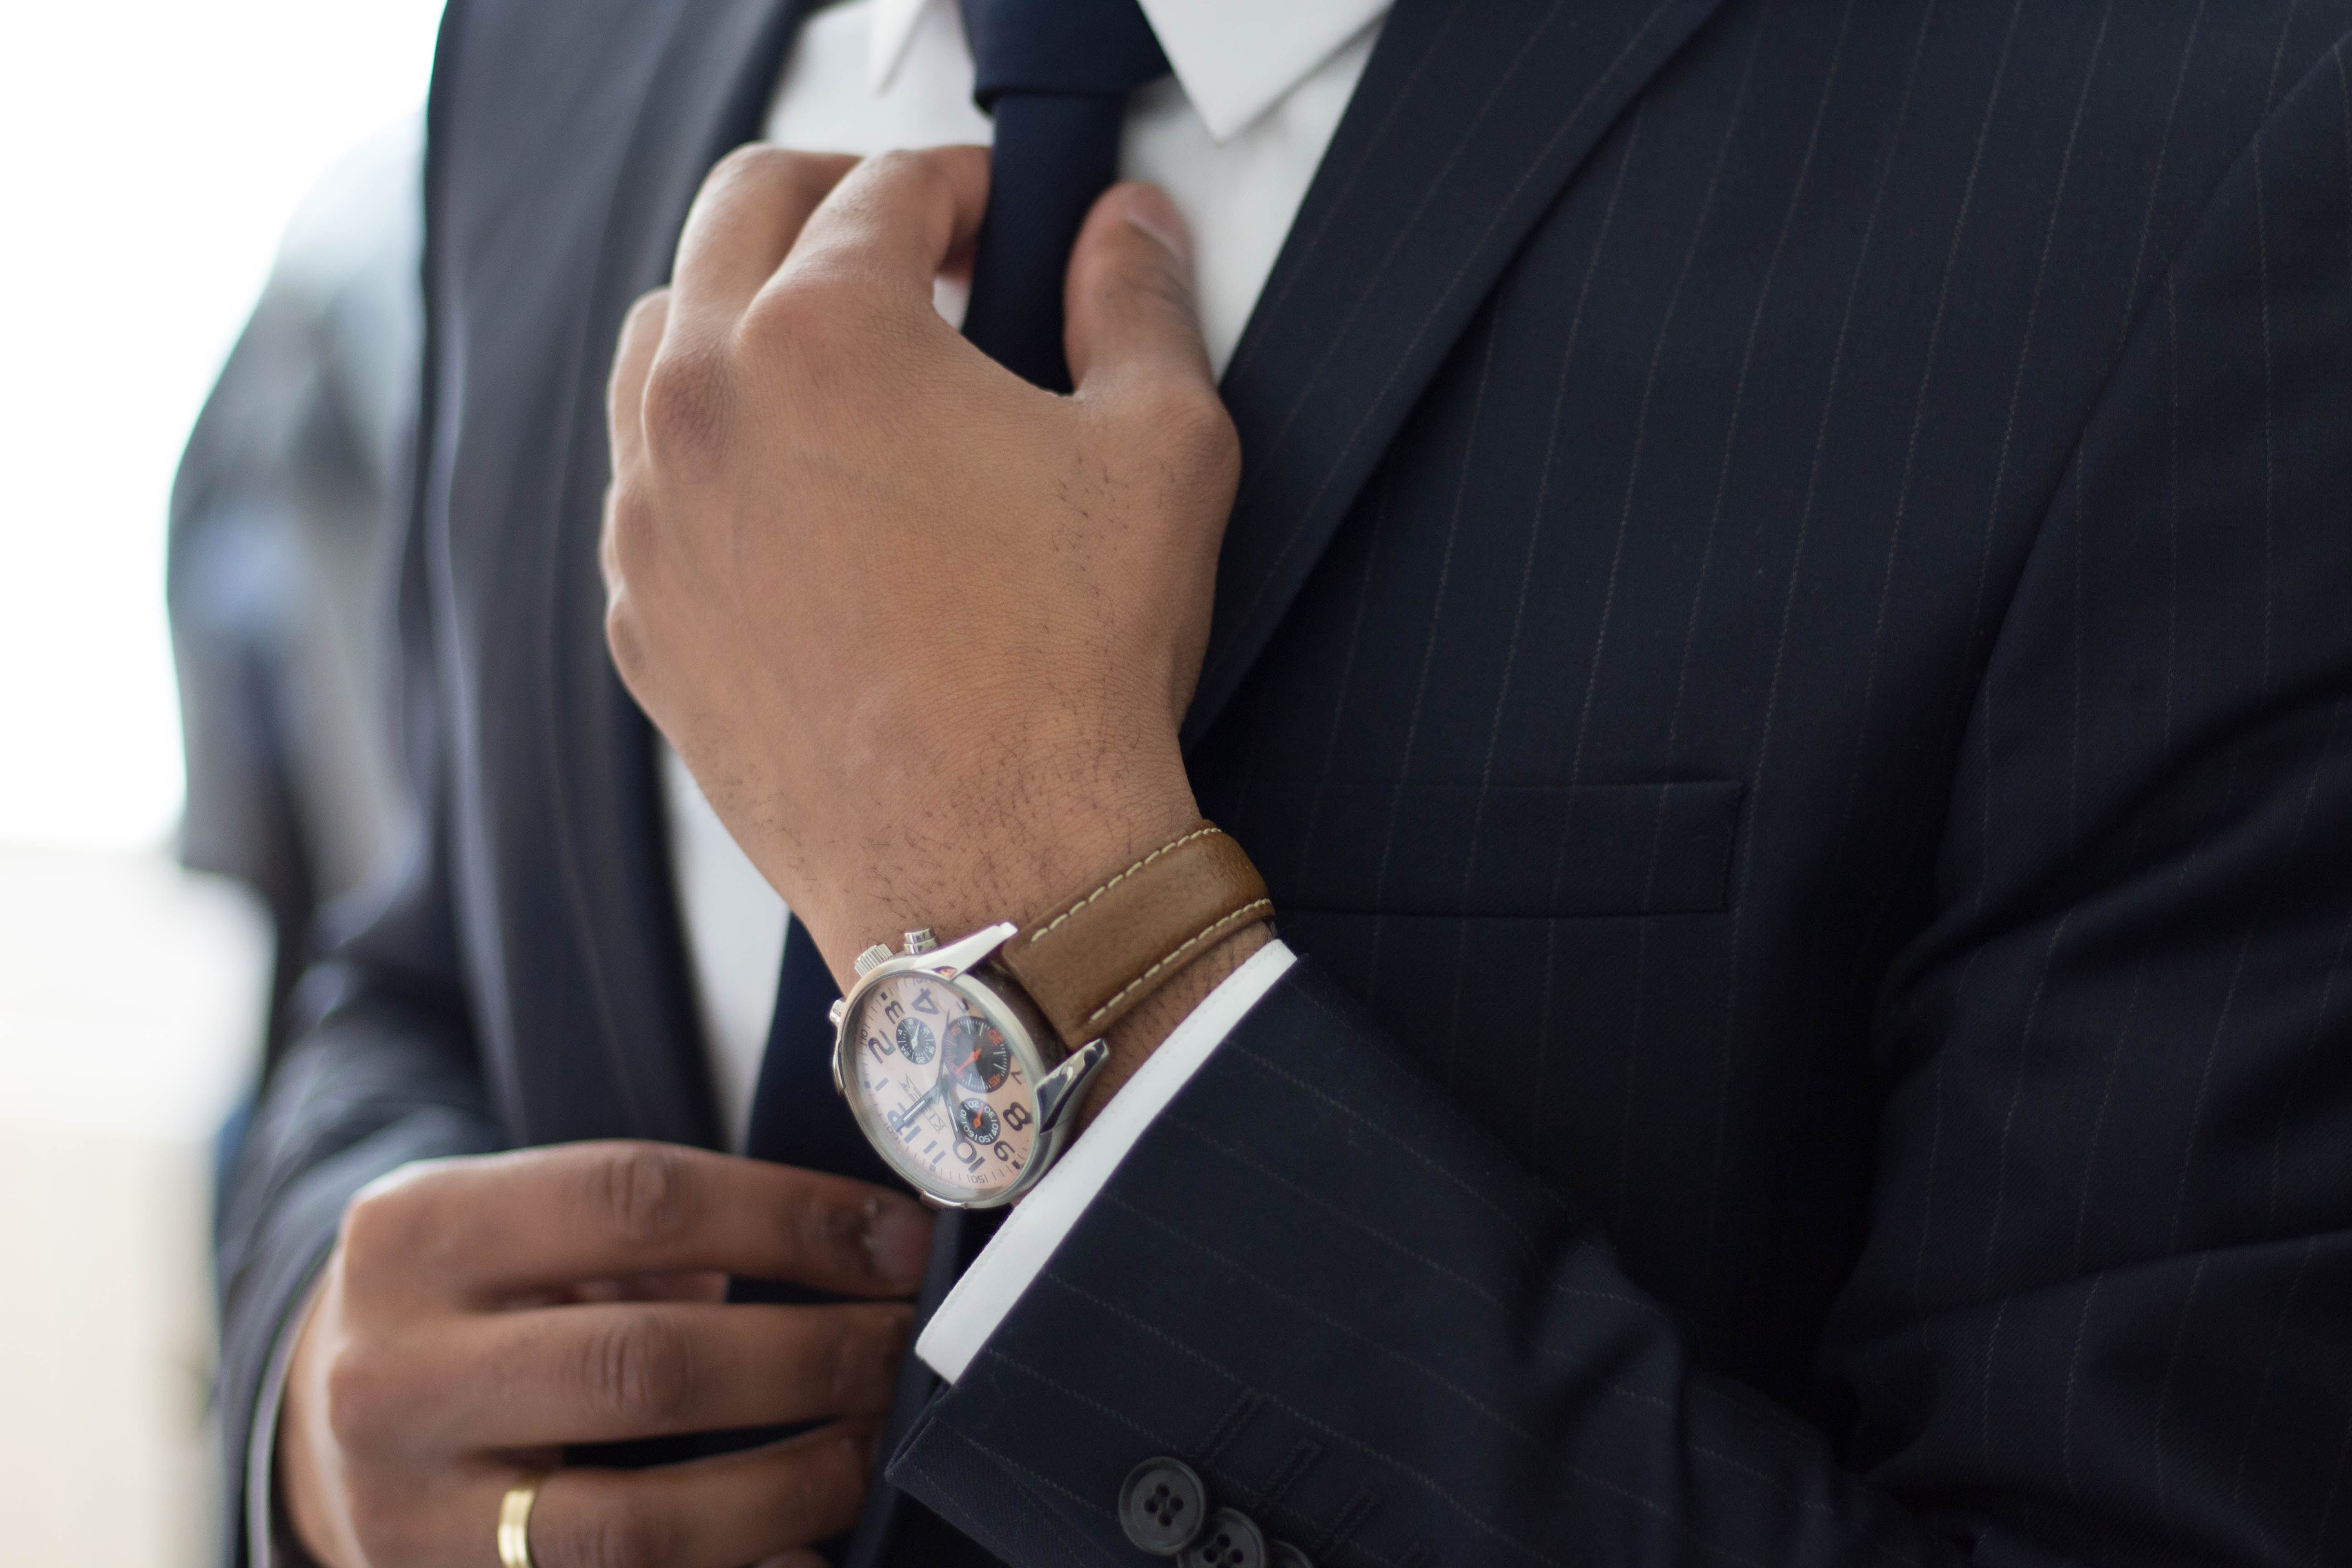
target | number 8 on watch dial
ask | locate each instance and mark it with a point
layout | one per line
(953, 1075)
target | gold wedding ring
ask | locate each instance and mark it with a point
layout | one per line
(514, 1523)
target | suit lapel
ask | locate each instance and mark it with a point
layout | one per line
(1471, 116)
(708, 94)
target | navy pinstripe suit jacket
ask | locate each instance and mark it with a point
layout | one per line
(1784, 649)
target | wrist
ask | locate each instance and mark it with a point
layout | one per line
(1003, 870)
(1136, 1036)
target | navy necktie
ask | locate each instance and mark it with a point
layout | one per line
(1055, 74)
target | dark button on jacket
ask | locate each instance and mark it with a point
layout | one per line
(1162, 1506)
(1231, 1539)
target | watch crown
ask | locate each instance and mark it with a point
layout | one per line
(922, 940)
(870, 957)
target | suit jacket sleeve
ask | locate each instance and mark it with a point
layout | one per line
(381, 1069)
(2105, 1309)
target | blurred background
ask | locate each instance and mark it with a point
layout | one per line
(160, 163)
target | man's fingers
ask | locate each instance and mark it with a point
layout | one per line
(487, 1229)
(892, 224)
(705, 1513)
(625, 394)
(1128, 308)
(692, 1286)
(742, 225)
(603, 1373)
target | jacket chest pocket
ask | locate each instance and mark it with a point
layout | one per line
(1529, 850)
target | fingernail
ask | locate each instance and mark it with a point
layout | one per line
(898, 1239)
(1151, 211)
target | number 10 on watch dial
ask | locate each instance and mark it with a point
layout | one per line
(946, 1085)
(955, 1077)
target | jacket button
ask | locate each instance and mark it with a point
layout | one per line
(1230, 1540)
(1282, 1554)
(1162, 1506)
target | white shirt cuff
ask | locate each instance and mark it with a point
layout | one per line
(997, 1278)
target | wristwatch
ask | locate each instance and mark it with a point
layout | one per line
(963, 1063)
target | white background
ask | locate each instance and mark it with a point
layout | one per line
(150, 154)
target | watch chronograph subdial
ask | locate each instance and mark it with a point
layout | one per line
(916, 1041)
(977, 1055)
(943, 1084)
(976, 1119)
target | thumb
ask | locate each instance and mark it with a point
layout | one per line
(1127, 305)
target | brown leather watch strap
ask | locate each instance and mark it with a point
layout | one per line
(1089, 960)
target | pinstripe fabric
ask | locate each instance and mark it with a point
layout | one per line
(1782, 650)
(1899, 419)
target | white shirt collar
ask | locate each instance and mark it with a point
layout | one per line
(1234, 59)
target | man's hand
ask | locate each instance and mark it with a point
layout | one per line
(480, 1315)
(923, 632)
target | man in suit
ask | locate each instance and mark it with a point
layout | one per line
(1776, 640)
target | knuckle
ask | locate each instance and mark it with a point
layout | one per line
(365, 1404)
(642, 1193)
(915, 169)
(1200, 432)
(631, 534)
(617, 1531)
(807, 333)
(785, 321)
(645, 314)
(413, 1219)
(748, 161)
(624, 641)
(765, 174)
(641, 1369)
(686, 398)
(385, 1221)
(802, 178)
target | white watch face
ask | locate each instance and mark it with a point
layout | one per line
(943, 1089)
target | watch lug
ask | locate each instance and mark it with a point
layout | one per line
(967, 951)
(838, 1086)
(1059, 1090)
(832, 1014)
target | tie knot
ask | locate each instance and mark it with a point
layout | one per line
(1068, 47)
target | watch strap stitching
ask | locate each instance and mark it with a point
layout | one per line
(1134, 929)
(1247, 914)
(1173, 844)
